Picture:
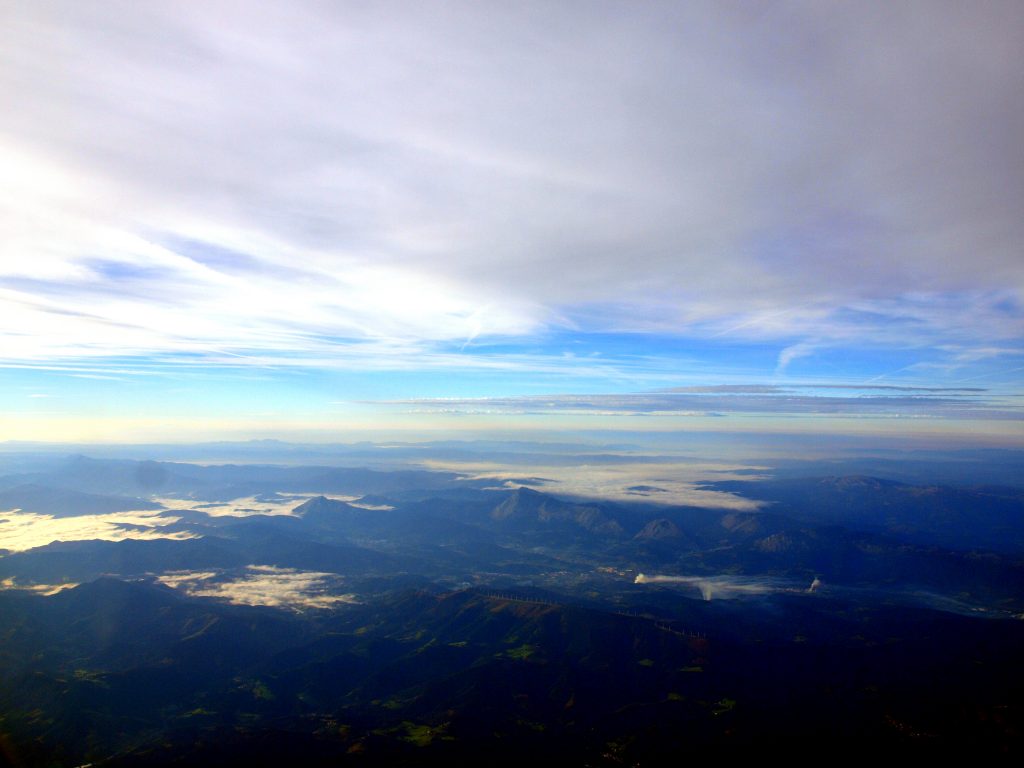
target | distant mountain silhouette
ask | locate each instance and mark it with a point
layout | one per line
(61, 502)
(320, 508)
(221, 482)
(526, 508)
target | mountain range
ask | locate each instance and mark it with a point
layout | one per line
(454, 620)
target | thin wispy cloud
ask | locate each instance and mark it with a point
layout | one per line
(789, 354)
(772, 389)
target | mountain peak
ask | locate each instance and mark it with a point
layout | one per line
(528, 507)
(523, 490)
(321, 506)
(662, 528)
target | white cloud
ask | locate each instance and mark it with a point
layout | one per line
(42, 589)
(608, 479)
(302, 181)
(264, 585)
(789, 354)
(725, 587)
(244, 506)
(24, 530)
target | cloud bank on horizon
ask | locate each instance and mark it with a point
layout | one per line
(655, 194)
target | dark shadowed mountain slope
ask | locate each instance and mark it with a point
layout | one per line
(111, 624)
(77, 561)
(422, 678)
(959, 518)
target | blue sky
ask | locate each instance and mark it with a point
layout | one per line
(312, 220)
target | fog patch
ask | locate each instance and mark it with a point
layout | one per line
(40, 589)
(659, 482)
(372, 507)
(264, 585)
(179, 579)
(726, 587)
(24, 530)
(247, 506)
(243, 506)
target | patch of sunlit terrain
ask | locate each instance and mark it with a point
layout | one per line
(264, 585)
(24, 530)
(657, 482)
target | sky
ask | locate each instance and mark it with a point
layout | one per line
(322, 220)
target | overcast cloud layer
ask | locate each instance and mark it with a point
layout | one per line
(386, 185)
